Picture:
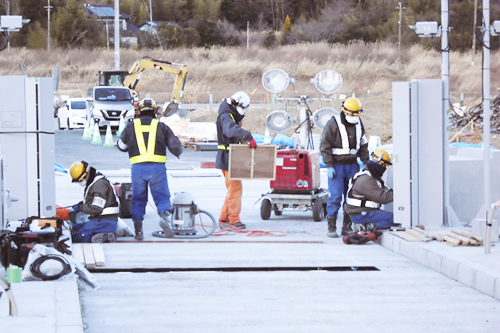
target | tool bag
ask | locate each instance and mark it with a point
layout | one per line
(16, 245)
(125, 195)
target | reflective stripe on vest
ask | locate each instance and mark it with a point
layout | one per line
(345, 150)
(360, 202)
(107, 210)
(146, 155)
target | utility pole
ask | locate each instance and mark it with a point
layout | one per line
(117, 35)
(49, 8)
(400, 8)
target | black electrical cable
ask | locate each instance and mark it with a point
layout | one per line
(35, 267)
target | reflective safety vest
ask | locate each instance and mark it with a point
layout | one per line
(107, 210)
(351, 200)
(146, 154)
(345, 150)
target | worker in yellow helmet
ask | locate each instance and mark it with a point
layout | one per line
(146, 140)
(100, 203)
(343, 142)
(367, 193)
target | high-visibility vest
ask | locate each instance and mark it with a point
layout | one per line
(224, 147)
(146, 154)
(345, 150)
(107, 210)
(360, 202)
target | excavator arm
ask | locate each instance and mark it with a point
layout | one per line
(180, 72)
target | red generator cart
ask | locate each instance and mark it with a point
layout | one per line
(297, 185)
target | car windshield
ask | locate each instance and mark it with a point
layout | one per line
(78, 105)
(109, 94)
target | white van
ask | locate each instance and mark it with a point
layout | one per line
(107, 105)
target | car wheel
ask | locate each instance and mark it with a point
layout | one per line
(318, 211)
(59, 124)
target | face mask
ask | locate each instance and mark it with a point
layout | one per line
(83, 183)
(351, 119)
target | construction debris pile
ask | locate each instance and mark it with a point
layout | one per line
(459, 119)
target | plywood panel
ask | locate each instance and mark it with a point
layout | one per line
(248, 163)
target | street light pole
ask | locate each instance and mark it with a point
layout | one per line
(49, 8)
(117, 35)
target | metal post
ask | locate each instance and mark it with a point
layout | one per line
(49, 8)
(400, 8)
(486, 103)
(474, 27)
(303, 129)
(248, 35)
(117, 35)
(150, 11)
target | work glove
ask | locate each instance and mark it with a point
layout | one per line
(331, 172)
(77, 207)
(252, 144)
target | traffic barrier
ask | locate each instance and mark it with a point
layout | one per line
(108, 140)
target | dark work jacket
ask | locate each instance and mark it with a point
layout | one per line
(99, 196)
(228, 132)
(165, 139)
(332, 139)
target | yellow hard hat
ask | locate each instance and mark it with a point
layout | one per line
(382, 157)
(352, 106)
(78, 171)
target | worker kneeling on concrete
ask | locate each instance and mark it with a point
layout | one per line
(100, 202)
(366, 193)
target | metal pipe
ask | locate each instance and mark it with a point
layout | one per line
(487, 233)
(12, 301)
(486, 102)
(445, 76)
(117, 35)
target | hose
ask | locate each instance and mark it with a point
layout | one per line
(35, 267)
(12, 301)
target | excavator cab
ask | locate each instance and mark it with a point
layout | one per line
(112, 78)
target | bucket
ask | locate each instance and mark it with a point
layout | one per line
(14, 274)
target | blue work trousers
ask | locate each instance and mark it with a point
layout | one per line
(154, 175)
(83, 232)
(382, 219)
(338, 186)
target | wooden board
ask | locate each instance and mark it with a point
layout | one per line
(78, 253)
(88, 254)
(406, 236)
(98, 255)
(248, 163)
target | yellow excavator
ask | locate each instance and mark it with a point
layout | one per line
(131, 78)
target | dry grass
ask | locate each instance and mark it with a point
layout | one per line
(368, 71)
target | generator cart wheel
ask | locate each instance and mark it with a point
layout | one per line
(318, 211)
(277, 212)
(265, 209)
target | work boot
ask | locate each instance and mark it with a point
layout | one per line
(165, 225)
(138, 230)
(103, 237)
(332, 228)
(346, 225)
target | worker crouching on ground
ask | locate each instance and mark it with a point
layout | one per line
(344, 140)
(100, 202)
(367, 192)
(146, 140)
(229, 121)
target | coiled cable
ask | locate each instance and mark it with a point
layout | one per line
(37, 263)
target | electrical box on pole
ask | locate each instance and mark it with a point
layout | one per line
(28, 143)
(418, 153)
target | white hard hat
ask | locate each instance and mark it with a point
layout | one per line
(241, 101)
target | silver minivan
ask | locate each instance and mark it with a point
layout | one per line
(107, 105)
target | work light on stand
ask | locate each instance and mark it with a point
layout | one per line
(279, 121)
(322, 116)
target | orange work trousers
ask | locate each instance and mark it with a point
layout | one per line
(232, 204)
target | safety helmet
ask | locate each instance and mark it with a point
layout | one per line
(78, 171)
(241, 101)
(147, 104)
(382, 157)
(352, 106)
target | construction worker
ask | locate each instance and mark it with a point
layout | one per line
(146, 140)
(367, 192)
(344, 140)
(100, 202)
(229, 121)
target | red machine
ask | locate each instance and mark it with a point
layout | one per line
(297, 185)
